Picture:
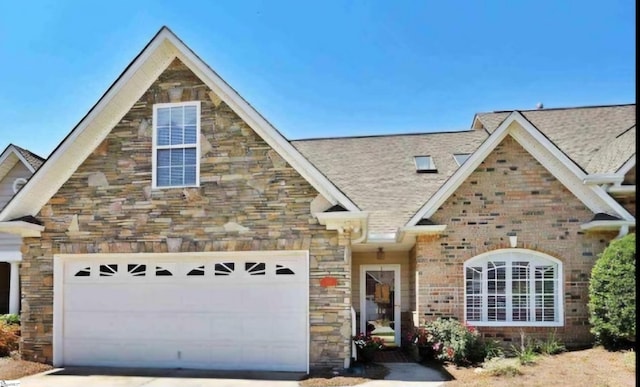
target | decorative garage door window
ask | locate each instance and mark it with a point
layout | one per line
(215, 269)
(513, 288)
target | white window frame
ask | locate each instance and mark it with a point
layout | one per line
(515, 255)
(154, 161)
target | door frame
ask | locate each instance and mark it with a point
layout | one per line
(396, 296)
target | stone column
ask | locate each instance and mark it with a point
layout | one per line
(14, 289)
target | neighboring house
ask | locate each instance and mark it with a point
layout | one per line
(16, 167)
(175, 227)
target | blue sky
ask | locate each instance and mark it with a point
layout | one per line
(323, 68)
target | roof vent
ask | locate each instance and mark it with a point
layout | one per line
(539, 106)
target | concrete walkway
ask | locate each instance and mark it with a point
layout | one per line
(408, 374)
(400, 375)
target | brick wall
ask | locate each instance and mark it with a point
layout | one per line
(510, 192)
(243, 182)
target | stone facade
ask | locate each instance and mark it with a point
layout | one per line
(509, 193)
(249, 199)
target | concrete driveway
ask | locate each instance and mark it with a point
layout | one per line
(400, 375)
(136, 377)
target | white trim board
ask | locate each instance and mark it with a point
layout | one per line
(118, 100)
(545, 152)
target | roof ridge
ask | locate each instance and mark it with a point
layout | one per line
(381, 135)
(560, 108)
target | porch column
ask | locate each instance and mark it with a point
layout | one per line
(14, 289)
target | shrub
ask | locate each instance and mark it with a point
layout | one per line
(448, 340)
(9, 337)
(10, 319)
(612, 294)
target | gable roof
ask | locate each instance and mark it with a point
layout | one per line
(12, 154)
(379, 172)
(596, 138)
(163, 48)
(546, 152)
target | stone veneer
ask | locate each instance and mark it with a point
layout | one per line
(510, 192)
(249, 199)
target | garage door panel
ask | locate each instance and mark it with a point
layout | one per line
(211, 313)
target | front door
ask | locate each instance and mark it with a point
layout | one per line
(380, 302)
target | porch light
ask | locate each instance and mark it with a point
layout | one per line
(380, 254)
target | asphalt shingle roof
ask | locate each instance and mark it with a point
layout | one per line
(378, 172)
(32, 158)
(584, 134)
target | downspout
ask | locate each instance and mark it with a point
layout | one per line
(624, 230)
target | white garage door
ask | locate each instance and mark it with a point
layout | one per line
(214, 311)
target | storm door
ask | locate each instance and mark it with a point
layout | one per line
(380, 302)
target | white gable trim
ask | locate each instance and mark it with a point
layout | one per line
(12, 151)
(626, 167)
(543, 150)
(119, 99)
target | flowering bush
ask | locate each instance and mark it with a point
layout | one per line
(448, 340)
(366, 341)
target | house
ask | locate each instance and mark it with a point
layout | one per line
(16, 167)
(175, 227)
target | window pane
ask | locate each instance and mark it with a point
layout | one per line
(190, 175)
(176, 176)
(190, 134)
(190, 115)
(177, 157)
(163, 177)
(190, 156)
(162, 118)
(164, 157)
(163, 135)
(177, 117)
(176, 136)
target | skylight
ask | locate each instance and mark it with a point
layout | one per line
(461, 157)
(425, 164)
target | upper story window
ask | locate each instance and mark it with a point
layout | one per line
(176, 136)
(461, 157)
(513, 287)
(425, 164)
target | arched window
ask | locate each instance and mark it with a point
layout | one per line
(513, 287)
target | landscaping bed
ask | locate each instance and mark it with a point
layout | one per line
(12, 368)
(588, 367)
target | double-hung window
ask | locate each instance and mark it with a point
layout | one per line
(176, 135)
(513, 288)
